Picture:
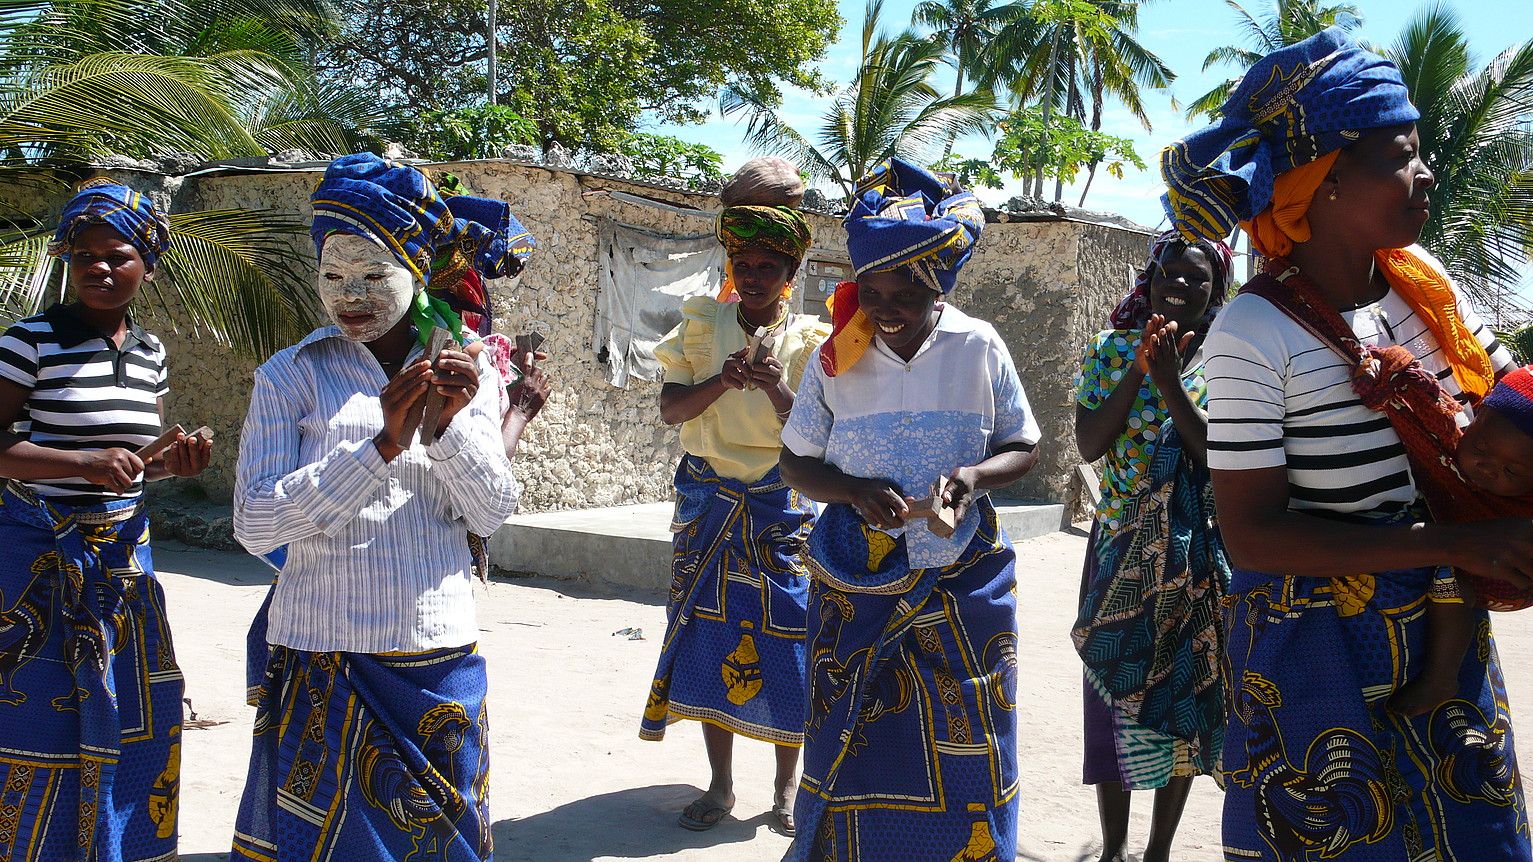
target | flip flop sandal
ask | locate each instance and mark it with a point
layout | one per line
(785, 821)
(709, 819)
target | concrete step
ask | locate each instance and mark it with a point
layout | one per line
(630, 546)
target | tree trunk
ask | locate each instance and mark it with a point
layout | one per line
(1091, 174)
(1048, 102)
(1073, 104)
(947, 149)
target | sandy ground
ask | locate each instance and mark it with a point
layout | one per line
(572, 782)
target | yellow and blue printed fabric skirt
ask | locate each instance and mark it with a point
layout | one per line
(910, 750)
(1317, 768)
(369, 758)
(90, 693)
(733, 654)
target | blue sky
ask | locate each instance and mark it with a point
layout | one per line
(1181, 32)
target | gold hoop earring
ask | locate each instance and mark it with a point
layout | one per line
(1333, 194)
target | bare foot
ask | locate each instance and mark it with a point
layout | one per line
(1424, 693)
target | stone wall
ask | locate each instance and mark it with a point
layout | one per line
(1048, 287)
(1046, 284)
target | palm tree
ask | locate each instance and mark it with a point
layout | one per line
(889, 109)
(1476, 129)
(84, 79)
(1287, 22)
(968, 30)
(1071, 56)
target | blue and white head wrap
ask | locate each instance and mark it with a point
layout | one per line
(398, 206)
(130, 213)
(907, 216)
(1294, 106)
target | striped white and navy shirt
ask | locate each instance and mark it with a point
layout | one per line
(1278, 396)
(87, 393)
(377, 552)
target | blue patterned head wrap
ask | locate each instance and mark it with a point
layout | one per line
(1294, 106)
(398, 206)
(904, 215)
(101, 201)
(387, 202)
(497, 241)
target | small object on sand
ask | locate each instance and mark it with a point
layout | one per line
(940, 518)
(426, 416)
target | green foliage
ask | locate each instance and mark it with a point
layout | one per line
(1073, 55)
(971, 173)
(584, 71)
(1284, 23)
(1476, 131)
(888, 109)
(477, 132)
(1519, 341)
(658, 157)
(80, 79)
(1059, 147)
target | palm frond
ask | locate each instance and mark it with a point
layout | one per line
(237, 273)
(26, 273)
(189, 98)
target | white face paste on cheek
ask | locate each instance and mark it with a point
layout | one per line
(364, 289)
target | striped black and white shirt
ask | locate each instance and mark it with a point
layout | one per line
(1278, 396)
(87, 393)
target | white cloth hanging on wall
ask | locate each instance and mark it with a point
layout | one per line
(645, 276)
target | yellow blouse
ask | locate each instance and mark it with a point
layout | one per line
(739, 435)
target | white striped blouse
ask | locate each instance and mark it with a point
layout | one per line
(1278, 397)
(378, 559)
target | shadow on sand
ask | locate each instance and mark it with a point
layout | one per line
(235, 569)
(626, 824)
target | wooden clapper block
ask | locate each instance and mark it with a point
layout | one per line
(940, 519)
(428, 412)
(762, 343)
(162, 442)
(529, 343)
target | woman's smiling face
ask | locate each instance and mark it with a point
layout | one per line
(900, 308)
(1181, 284)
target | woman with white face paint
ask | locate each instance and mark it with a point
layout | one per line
(373, 674)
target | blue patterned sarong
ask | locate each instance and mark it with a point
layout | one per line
(368, 758)
(1149, 630)
(910, 750)
(733, 653)
(90, 693)
(1316, 767)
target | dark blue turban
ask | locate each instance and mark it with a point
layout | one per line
(1294, 106)
(398, 206)
(496, 240)
(904, 215)
(101, 201)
